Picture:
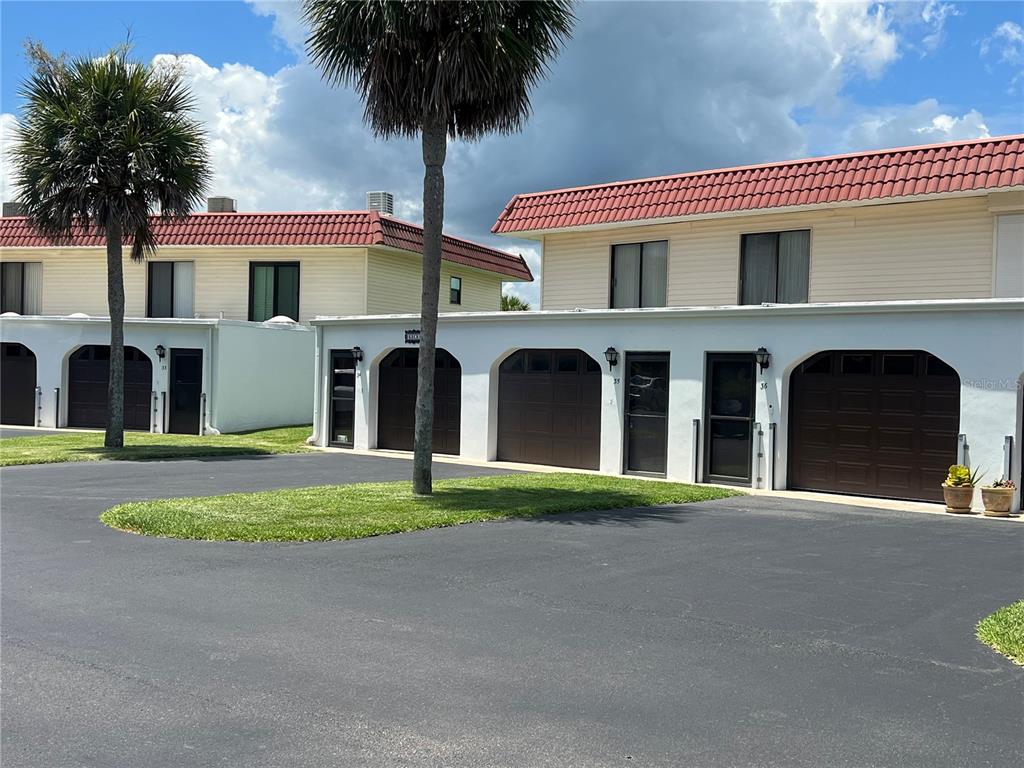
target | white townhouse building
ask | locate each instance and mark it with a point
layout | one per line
(216, 331)
(850, 324)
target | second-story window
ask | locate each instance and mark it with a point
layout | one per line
(273, 290)
(21, 287)
(639, 274)
(455, 291)
(171, 289)
(774, 267)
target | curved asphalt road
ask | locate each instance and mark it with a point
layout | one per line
(750, 632)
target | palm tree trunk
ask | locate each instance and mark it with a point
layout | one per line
(434, 149)
(114, 437)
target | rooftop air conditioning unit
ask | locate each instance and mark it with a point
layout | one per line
(384, 202)
(221, 205)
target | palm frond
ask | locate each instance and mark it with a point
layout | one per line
(106, 139)
(471, 65)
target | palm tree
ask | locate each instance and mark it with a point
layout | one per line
(512, 303)
(436, 70)
(101, 143)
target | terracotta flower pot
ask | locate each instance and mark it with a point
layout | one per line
(997, 501)
(958, 498)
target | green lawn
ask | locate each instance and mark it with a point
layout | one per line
(370, 509)
(1004, 631)
(88, 446)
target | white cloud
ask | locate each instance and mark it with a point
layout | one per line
(922, 123)
(860, 34)
(1006, 44)
(1007, 40)
(287, 16)
(528, 292)
(8, 123)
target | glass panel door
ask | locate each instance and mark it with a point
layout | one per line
(343, 398)
(729, 416)
(646, 412)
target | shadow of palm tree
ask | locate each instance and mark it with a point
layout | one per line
(567, 507)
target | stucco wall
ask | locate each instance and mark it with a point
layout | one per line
(989, 399)
(921, 250)
(263, 376)
(254, 375)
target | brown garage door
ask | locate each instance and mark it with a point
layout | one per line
(88, 372)
(876, 423)
(396, 403)
(17, 384)
(549, 408)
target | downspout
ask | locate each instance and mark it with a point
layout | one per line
(318, 335)
(210, 402)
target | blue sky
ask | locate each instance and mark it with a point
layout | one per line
(642, 89)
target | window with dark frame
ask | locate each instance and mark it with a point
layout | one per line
(273, 290)
(455, 295)
(20, 287)
(639, 274)
(170, 289)
(774, 267)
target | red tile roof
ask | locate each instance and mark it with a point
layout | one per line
(358, 228)
(976, 164)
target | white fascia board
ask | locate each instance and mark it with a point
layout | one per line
(732, 310)
(151, 322)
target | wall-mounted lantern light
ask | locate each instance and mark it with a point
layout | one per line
(357, 354)
(161, 353)
(612, 356)
(763, 358)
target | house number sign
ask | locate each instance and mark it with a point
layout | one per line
(412, 336)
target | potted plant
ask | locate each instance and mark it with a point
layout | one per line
(958, 489)
(998, 497)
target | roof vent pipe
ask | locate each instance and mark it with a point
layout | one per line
(221, 205)
(384, 202)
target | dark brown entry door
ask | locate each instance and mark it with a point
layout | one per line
(343, 398)
(549, 408)
(396, 402)
(876, 423)
(729, 418)
(646, 413)
(186, 391)
(17, 385)
(88, 373)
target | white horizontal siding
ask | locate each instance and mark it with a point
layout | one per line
(924, 250)
(394, 284)
(331, 280)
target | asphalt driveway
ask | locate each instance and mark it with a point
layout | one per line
(747, 632)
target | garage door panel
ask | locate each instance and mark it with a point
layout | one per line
(549, 414)
(893, 427)
(854, 474)
(396, 404)
(816, 435)
(895, 478)
(853, 437)
(851, 400)
(88, 372)
(898, 440)
(17, 384)
(898, 402)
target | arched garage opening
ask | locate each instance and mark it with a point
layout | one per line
(549, 408)
(88, 374)
(17, 384)
(396, 401)
(874, 423)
